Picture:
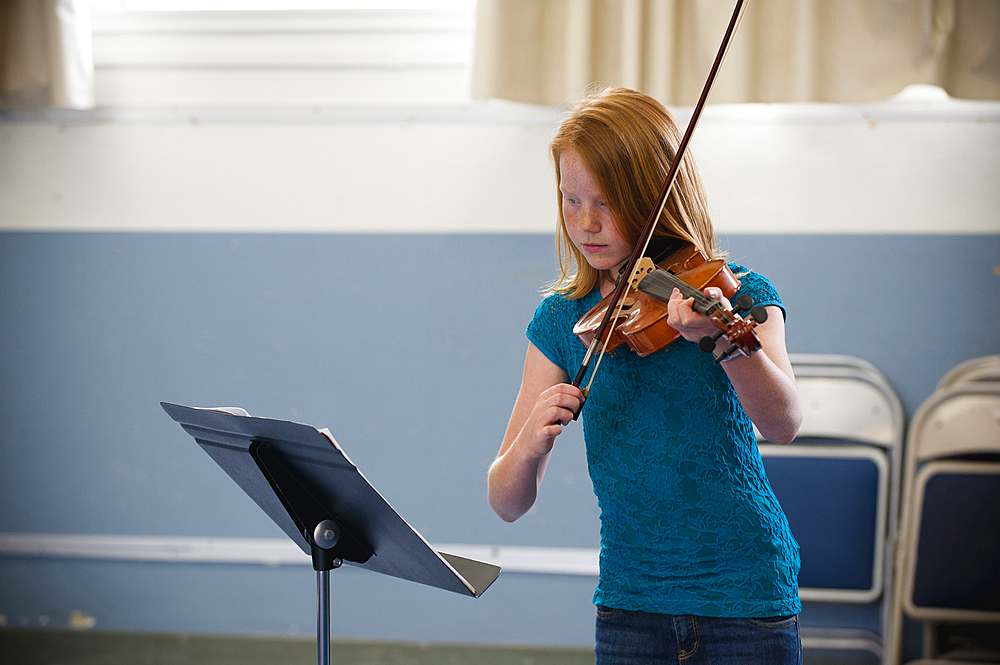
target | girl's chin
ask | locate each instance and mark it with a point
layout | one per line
(601, 259)
(597, 263)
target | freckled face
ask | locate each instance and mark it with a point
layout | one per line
(588, 220)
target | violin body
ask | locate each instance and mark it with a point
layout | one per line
(642, 321)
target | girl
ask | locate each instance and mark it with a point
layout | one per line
(697, 563)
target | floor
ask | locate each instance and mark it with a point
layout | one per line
(65, 647)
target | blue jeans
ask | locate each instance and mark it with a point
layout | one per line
(624, 637)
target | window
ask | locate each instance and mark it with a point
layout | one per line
(282, 53)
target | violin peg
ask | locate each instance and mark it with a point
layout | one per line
(707, 343)
(743, 303)
(758, 314)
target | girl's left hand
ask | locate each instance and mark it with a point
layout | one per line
(682, 317)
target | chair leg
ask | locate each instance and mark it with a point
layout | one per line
(928, 640)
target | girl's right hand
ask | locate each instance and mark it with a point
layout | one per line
(554, 408)
(544, 404)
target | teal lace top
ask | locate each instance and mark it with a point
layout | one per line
(689, 524)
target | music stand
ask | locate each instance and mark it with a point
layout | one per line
(302, 479)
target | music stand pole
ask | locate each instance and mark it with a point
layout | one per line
(323, 616)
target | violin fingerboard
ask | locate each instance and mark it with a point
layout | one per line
(660, 284)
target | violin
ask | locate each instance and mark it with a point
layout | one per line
(641, 321)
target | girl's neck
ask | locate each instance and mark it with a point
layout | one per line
(607, 282)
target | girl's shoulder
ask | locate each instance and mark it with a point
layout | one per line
(556, 315)
(756, 286)
(551, 328)
(559, 305)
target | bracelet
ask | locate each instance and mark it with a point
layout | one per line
(723, 358)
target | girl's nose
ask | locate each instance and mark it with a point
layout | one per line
(588, 220)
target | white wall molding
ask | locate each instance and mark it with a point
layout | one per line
(272, 551)
(491, 113)
(503, 112)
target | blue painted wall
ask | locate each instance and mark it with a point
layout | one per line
(409, 348)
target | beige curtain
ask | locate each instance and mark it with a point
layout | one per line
(46, 54)
(549, 51)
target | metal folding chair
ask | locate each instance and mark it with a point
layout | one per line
(838, 484)
(948, 560)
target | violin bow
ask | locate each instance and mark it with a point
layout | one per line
(603, 334)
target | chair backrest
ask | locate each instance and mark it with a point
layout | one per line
(845, 404)
(830, 360)
(961, 419)
(847, 398)
(985, 368)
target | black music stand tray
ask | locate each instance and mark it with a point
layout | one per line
(302, 479)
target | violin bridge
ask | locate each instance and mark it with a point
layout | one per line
(642, 268)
